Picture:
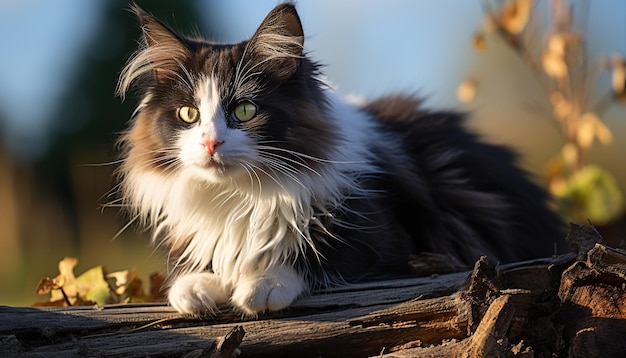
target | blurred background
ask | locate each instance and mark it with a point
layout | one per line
(59, 118)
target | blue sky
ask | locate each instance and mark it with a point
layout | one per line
(40, 42)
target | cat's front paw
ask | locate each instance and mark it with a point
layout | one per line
(197, 293)
(268, 293)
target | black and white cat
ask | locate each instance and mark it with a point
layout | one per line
(264, 184)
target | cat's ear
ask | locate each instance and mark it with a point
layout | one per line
(279, 41)
(163, 47)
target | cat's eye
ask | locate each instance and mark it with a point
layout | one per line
(188, 114)
(245, 111)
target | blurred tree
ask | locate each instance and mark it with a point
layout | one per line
(60, 192)
(556, 56)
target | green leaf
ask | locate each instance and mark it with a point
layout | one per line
(592, 193)
(93, 286)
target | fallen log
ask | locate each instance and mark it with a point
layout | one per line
(549, 307)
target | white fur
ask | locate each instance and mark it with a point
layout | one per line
(198, 293)
(235, 146)
(212, 117)
(250, 227)
(272, 290)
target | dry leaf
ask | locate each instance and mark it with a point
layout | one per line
(65, 280)
(554, 65)
(128, 286)
(46, 285)
(562, 107)
(94, 286)
(570, 154)
(66, 268)
(121, 279)
(557, 44)
(466, 90)
(515, 15)
(592, 123)
(156, 287)
(618, 75)
(586, 131)
(479, 42)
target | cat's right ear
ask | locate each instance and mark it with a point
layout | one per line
(165, 47)
(162, 51)
(279, 41)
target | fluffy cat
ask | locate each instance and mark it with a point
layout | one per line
(263, 184)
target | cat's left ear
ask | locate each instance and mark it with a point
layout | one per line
(279, 41)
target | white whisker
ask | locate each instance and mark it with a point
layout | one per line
(128, 224)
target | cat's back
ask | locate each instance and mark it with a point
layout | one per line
(455, 193)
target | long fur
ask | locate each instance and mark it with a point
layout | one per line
(314, 191)
(209, 225)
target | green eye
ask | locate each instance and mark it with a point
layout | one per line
(245, 111)
(188, 114)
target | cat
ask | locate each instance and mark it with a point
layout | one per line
(264, 184)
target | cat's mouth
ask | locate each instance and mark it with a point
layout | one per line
(214, 164)
(210, 169)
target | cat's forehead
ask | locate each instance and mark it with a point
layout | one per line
(214, 58)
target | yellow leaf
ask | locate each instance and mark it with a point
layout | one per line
(65, 279)
(515, 15)
(562, 107)
(586, 131)
(92, 286)
(570, 154)
(466, 90)
(479, 42)
(593, 124)
(121, 279)
(554, 65)
(66, 268)
(556, 45)
(618, 75)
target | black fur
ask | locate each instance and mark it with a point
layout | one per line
(454, 195)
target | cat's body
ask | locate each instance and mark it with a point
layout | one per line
(263, 183)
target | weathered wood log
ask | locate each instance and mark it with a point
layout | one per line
(536, 308)
(358, 319)
(321, 323)
(593, 314)
(586, 317)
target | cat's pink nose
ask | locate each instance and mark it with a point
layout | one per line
(211, 145)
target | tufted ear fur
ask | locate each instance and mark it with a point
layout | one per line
(162, 51)
(164, 47)
(279, 41)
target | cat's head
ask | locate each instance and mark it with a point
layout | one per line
(222, 113)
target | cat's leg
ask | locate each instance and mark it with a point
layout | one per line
(271, 291)
(197, 293)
